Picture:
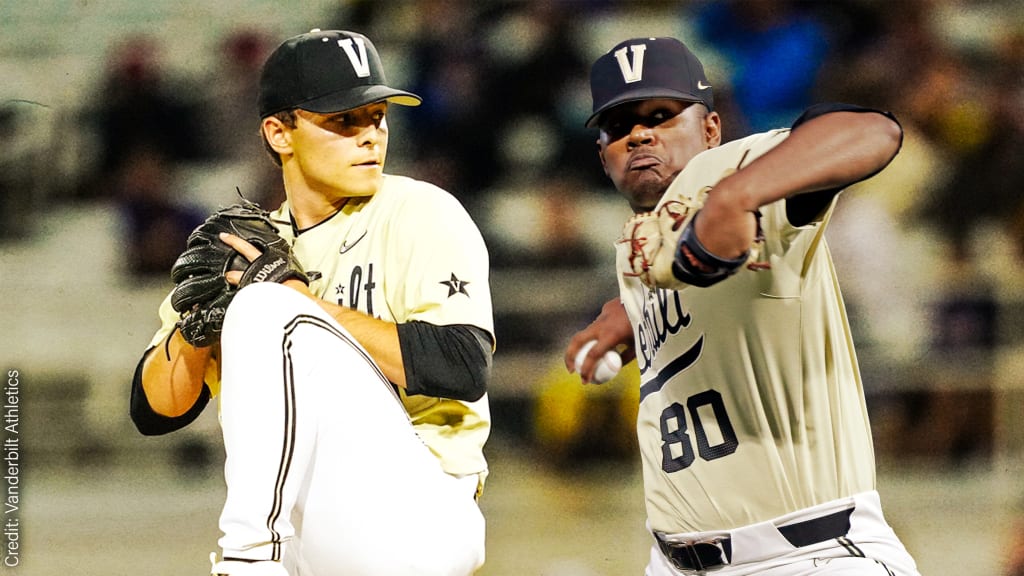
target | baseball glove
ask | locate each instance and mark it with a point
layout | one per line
(665, 252)
(201, 293)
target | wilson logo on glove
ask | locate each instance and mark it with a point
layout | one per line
(264, 272)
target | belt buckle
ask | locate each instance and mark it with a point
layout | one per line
(700, 555)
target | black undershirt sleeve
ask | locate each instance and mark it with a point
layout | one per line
(148, 422)
(803, 209)
(445, 361)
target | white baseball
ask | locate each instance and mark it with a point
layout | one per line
(607, 367)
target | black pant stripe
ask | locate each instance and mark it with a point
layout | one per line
(855, 551)
(850, 547)
(344, 337)
(887, 570)
(287, 447)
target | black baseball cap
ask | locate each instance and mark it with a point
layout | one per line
(645, 68)
(326, 71)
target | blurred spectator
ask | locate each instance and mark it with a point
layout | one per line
(964, 104)
(774, 52)
(457, 138)
(146, 130)
(966, 313)
(156, 225)
(138, 108)
(27, 130)
(984, 127)
(230, 118)
(539, 223)
(528, 83)
(872, 47)
(485, 70)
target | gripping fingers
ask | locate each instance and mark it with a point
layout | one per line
(247, 253)
(575, 344)
(241, 246)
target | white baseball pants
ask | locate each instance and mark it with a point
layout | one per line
(870, 547)
(324, 469)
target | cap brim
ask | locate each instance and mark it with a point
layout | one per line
(642, 94)
(359, 96)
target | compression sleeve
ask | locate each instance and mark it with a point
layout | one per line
(147, 421)
(445, 361)
(803, 209)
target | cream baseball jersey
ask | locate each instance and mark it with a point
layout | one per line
(749, 386)
(408, 253)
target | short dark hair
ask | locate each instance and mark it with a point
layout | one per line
(287, 117)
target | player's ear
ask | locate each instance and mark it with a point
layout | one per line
(277, 135)
(712, 129)
(600, 154)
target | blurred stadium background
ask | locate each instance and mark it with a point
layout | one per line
(124, 122)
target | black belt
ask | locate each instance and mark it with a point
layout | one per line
(705, 555)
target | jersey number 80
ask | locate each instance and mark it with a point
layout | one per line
(677, 448)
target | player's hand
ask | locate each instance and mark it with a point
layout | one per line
(251, 253)
(612, 331)
(244, 248)
(202, 289)
(726, 227)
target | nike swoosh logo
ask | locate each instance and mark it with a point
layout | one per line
(345, 246)
(701, 85)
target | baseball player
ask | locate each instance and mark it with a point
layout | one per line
(352, 389)
(756, 447)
